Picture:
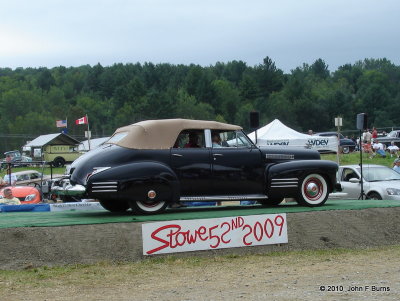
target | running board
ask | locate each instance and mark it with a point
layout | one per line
(224, 198)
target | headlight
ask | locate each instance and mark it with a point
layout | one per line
(393, 191)
(29, 197)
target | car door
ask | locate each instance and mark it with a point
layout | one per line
(237, 166)
(353, 190)
(192, 165)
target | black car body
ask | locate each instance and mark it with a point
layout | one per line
(346, 145)
(148, 165)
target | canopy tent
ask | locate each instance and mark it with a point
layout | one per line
(276, 133)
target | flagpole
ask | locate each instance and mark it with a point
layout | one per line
(87, 119)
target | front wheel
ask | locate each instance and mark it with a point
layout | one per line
(148, 206)
(313, 191)
(114, 206)
(374, 196)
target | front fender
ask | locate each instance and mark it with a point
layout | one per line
(133, 182)
(284, 179)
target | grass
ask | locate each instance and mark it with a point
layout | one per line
(115, 272)
(354, 158)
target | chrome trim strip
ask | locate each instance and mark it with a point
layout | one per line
(286, 179)
(104, 183)
(110, 186)
(281, 186)
(279, 156)
(224, 197)
(285, 183)
(105, 190)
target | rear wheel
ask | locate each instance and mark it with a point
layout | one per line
(345, 149)
(69, 199)
(374, 196)
(148, 206)
(58, 162)
(114, 206)
(313, 191)
(272, 202)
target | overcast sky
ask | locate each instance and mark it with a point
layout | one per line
(51, 33)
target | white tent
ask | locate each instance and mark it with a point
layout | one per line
(276, 133)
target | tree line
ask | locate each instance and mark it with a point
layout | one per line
(309, 97)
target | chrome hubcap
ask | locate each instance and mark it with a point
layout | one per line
(312, 189)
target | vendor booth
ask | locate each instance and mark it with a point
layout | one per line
(276, 133)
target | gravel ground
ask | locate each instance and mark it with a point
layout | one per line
(309, 275)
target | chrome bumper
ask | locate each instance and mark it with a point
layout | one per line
(72, 190)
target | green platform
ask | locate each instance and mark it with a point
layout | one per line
(65, 218)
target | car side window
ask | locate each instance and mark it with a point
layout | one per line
(234, 139)
(34, 176)
(190, 139)
(348, 174)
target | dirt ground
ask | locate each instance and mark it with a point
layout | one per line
(111, 265)
(305, 275)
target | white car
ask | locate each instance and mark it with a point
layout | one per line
(380, 182)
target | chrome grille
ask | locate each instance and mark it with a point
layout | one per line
(285, 182)
(104, 187)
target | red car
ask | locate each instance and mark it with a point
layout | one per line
(26, 194)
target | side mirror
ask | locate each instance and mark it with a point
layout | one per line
(354, 180)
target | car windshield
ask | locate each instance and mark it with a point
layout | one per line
(237, 139)
(392, 134)
(116, 137)
(379, 173)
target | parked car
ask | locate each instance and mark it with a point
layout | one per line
(32, 177)
(379, 183)
(26, 194)
(346, 145)
(150, 164)
(14, 158)
(392, 136)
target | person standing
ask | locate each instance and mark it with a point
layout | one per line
(374, 133)
(367, 136)
(10, 178)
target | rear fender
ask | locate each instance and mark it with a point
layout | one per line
(134, 181)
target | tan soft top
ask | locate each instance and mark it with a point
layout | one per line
(161, 134)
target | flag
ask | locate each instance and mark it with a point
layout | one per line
(61, 123)
(82, 120)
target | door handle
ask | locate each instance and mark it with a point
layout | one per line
(218, 155)
(177, 155)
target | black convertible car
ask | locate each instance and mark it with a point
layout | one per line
(150, 164)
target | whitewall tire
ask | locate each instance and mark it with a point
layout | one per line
(313, 191)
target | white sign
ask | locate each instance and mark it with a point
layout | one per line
(37, 152)
(338, 121)
(88, 134)
(217, 233)
(78, 206)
